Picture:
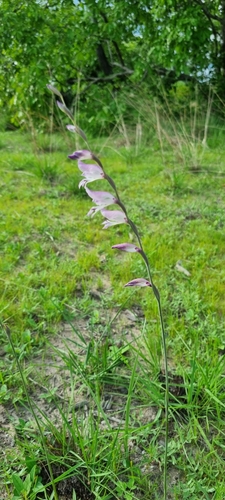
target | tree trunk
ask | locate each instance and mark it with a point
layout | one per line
(103, 61)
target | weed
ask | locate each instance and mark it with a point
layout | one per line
(31, 484)
(47, 170)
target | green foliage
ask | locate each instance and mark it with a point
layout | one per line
(31, 484)
(93, 50)
(56, 270)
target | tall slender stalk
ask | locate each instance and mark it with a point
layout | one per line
(164, 350)
(164, 347)
(103, 199)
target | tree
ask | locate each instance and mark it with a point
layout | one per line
(89, 46)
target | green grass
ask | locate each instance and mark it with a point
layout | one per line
(57, 268)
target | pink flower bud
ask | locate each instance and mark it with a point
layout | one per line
(127, 247)
(76, 130)
(139, 282)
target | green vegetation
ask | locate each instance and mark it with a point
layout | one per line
(89, 349)
(94, 51)
(82, 393)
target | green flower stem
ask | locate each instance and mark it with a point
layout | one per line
(163, 334)
(164, 349)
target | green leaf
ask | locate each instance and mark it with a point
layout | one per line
(18, 484)
(33, 473)
(27, 484)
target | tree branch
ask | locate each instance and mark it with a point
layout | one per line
(110, 77)
(127, 70)
(210, 17)
(208, 14)
(116, 46)
(103, 79)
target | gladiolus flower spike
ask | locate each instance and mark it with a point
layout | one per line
(90, 173)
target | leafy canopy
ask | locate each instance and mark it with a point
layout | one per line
(91, 48)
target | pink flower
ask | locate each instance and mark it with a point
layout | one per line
(90, 173)
(139, 282)
(101, 198)
(82, 154)
(113, 217)
(127, 247)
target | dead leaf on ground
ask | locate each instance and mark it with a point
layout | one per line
(181, 269)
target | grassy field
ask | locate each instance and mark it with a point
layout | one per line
(90, 349)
